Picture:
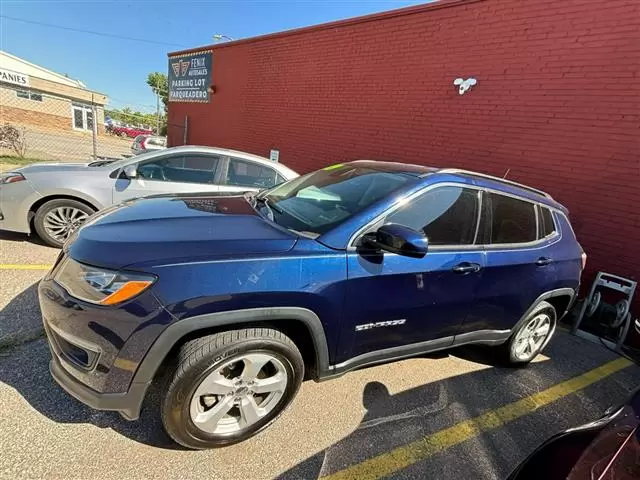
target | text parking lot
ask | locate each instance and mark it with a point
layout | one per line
(452, 415)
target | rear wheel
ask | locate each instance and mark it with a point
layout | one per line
(56, 220)
(528, 340)
(229, 386)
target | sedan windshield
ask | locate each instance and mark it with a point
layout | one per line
(317, 202)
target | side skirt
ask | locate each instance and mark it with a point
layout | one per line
(481, 337)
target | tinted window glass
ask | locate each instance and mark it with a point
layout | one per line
(548, 226)
(319, 201)
(249, 174)
(180, 169)
(446, 215)
(513, 220)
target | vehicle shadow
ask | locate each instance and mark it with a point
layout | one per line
(408, 417)
(20, 318)
(26, 369)
(18, 238)
(24, 365)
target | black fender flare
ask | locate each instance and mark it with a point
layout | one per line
(173, 333)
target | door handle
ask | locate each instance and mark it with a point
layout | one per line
(466, 267)
(543, 261)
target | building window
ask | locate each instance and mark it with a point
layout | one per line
(37, 97)
(82, 117)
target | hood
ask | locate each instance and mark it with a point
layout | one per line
(52, 167)
(176, 229)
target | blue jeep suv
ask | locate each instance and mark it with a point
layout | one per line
(234, 300)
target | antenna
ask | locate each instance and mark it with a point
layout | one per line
(506, 173)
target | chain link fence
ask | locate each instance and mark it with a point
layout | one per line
(42, 126)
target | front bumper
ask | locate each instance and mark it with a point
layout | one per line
(15, 201)
(128, 404)
(96, 351)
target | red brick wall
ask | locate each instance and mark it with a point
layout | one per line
(557, 102)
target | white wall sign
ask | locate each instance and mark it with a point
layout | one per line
(16, 78)
(274, 155)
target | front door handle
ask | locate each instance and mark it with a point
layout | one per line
(543, 261)
(466, 267)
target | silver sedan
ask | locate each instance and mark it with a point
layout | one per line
(55, 199)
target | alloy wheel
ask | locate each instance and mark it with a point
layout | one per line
(238, 393)
(532, 337)
(60, 222)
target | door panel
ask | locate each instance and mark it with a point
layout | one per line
(425, 297)
(417, 300)
(520, 264)
(170, 174)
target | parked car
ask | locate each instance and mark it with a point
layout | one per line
(238, 298)
(148, 143)
(607, 448)
(129, 131)
(54, 199)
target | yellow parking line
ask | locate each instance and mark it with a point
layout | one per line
(18, 266)
(401, 457)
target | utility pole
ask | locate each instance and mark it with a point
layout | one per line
(157, 113)
(94, 127)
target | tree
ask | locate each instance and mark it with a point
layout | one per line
(159, 83)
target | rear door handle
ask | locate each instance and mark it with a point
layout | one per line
(543, 261)
(466, 267)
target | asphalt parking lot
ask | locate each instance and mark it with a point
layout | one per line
(451, 415)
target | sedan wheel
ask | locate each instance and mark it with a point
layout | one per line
(62, 221)
(56, 220)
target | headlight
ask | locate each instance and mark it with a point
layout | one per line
(100, 286)
(11, 177)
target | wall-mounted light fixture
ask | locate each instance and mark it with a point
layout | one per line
(464, 85)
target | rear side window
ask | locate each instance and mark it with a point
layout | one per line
(245, 173)
(446, 215)
(512, 220)
(547, 226)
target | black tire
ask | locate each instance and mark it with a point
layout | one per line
(41, 213)
(508, 353)
(200, 357)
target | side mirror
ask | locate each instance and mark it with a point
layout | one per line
(398, 239)
(131, 171)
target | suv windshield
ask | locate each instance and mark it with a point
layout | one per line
(317, 202)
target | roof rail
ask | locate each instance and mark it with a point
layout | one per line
(497, 179)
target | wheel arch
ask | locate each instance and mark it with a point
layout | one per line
(91, 203)
(290, 320)
(561, 299)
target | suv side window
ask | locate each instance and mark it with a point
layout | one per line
(446, 215)
(512, 220)
(245, 173)
(190, 168)
(547, 225)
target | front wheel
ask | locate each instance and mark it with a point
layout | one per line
(231, 385)
(533, 334)
(56, 220)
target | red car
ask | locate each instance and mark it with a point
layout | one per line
(606, 449)
(130, 132)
